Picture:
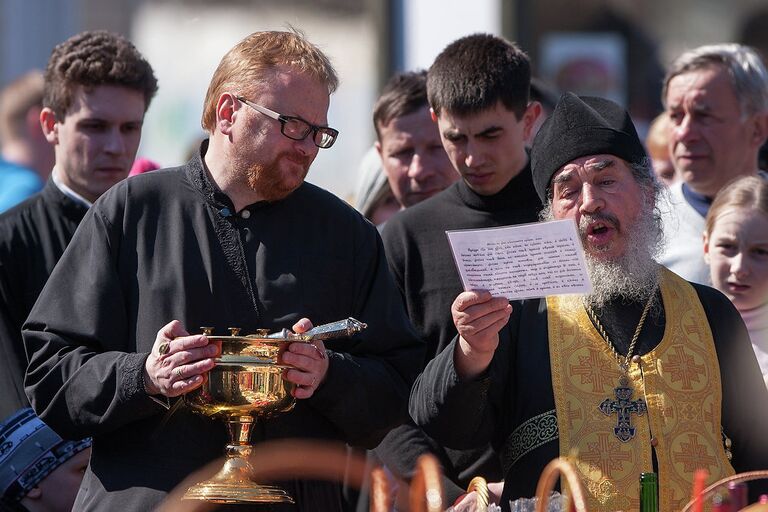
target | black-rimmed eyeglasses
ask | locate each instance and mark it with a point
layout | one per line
(297, 128)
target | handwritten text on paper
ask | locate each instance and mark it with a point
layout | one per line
(524, 261)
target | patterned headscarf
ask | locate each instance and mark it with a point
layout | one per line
(29, 452)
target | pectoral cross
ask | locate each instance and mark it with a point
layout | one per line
(623, 406)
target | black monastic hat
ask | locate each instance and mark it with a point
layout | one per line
(582, 126)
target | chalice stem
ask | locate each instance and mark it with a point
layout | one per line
(237, 469)
(233, 484)
(240, 429)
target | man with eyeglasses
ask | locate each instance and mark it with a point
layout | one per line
(233, 238)
(297, 128)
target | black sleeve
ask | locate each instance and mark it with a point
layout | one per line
(745, 397)
(403, 446)
(395, 243)
(456, 413)
(15, 288)
(81, 379)
(13, 360)
(366, 391)
(401, 449)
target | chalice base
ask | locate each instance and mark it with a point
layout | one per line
(233, 485)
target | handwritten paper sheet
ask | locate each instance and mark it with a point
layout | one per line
(523, 261)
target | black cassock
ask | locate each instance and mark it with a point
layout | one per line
(33, 236)
(169, 245)
(422, 265)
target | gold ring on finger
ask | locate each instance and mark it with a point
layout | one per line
(178, 373)
(164, 348)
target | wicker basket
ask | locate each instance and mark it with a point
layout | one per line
(548, 479)
(740, 477)
(479, 486)
(287, 459)
(426, 494)
(277, 460)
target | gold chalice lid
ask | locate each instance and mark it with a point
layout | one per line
(263, 347)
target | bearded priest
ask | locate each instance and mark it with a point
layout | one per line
(647, 373)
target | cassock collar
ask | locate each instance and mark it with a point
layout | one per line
(620, 317)
(70, 207)
(517, 192)
(198, 174)
(68, 191)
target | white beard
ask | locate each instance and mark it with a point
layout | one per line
(634, 275)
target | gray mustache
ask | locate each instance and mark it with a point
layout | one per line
(606, 218)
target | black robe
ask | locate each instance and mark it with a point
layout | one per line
(517, 390)
(423, 267)
(168, 245)
(33, 236)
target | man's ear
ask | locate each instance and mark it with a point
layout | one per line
(531, 114)
(226, 112)
(377, 145)
(50, 125)
(432, 114)
(760, 129)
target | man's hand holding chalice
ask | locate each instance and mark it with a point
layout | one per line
(309, 361)
(179, 361)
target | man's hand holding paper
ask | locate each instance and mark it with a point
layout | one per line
(478, 317)
(497, 265)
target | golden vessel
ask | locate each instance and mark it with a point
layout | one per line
(247, 384)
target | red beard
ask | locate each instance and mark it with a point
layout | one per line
(273, 183)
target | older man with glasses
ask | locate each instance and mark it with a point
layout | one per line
(233, 238)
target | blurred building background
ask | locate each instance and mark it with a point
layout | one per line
(613, 48)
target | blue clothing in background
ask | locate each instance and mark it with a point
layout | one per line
(16, 184)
